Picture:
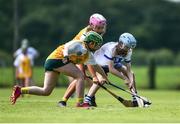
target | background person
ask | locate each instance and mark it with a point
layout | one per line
(31, 52)
(23, 65)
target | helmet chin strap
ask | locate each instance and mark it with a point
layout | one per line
(92, 50)
(100, 33)
(89, 49)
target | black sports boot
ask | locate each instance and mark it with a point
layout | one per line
(62, 104)
(93, 101)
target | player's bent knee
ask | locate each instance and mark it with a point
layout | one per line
(47, 92)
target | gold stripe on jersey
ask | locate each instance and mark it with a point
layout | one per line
(57, 53)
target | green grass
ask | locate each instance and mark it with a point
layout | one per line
(165, 108)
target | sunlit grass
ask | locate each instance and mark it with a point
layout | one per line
(165, 108)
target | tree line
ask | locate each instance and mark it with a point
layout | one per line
(48, 23)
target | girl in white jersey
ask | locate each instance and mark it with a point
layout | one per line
(110, 56)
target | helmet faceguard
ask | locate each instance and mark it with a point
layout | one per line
(121, 49)
(94, 39)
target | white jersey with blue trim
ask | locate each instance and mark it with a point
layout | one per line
(106, 53)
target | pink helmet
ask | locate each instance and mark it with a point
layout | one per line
(97, 20)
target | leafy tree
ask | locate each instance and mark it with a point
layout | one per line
(47, 23)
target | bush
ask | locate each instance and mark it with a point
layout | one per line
(140, 57)
(5, 59)
(177, 59)
(163, 57)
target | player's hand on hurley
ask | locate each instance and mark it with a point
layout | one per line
(128, 83)
(95, 80)
(103, 81)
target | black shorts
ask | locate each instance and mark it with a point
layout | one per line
(52, 64)
(116, 66)
(105, 68)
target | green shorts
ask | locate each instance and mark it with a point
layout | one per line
(52, 64)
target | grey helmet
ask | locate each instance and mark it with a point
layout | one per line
(76, 49)
(128, 40)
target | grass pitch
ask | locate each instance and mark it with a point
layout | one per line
(165, 108)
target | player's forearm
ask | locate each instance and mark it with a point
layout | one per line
(101, 71)
(129, 72)
(130, 76)
(91, 70)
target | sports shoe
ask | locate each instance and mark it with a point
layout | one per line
(83, 105)
(15, 94)
(93, 102)
(62, 104)
(90, 100)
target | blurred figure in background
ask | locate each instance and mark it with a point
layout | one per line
(31, 52)
(23, 65)
(24, 62)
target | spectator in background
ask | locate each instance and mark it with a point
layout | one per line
(24, 62)
(31, 52)
(23, 65)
